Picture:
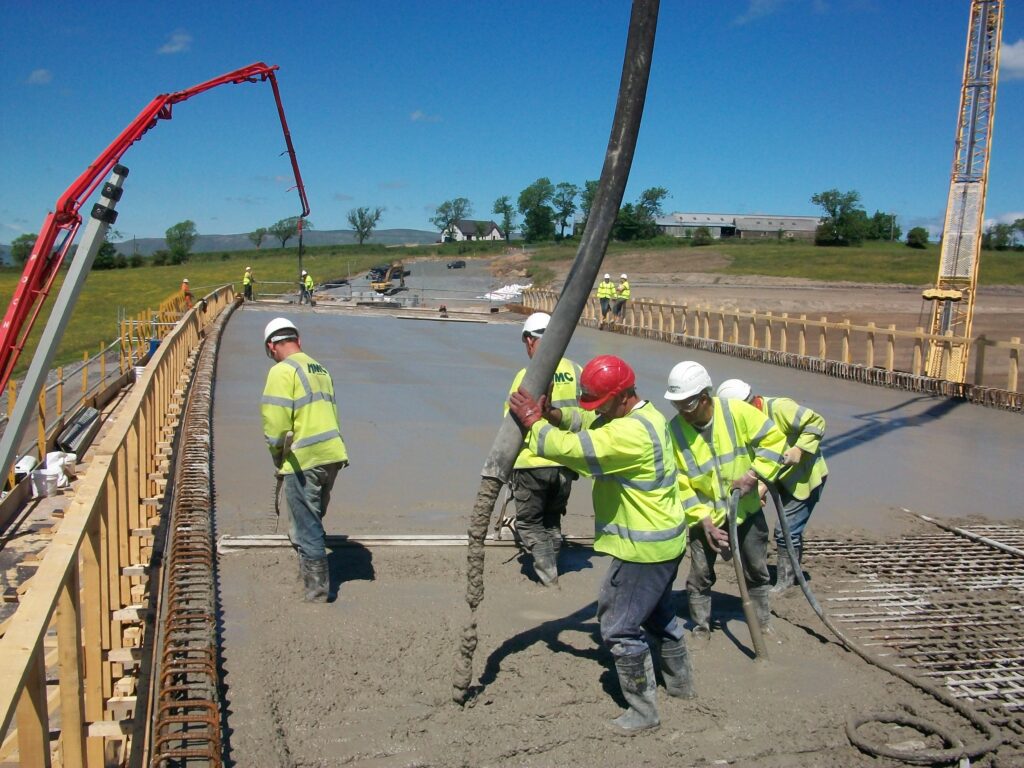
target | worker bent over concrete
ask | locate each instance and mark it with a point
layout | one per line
(803, 480)
(638, 521)
(300, 423)
(720, 445)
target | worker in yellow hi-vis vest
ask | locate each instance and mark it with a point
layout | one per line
(300, 423)
(606, 295)
(621, 296)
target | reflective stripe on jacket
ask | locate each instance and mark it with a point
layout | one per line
(742, 437)
(805, 429)
(637, 516)
(299, 397)
(606, 289)
(565, 394)
(622, 291)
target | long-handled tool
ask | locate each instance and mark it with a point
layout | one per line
(749, 613)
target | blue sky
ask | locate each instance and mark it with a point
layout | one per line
(753, 106)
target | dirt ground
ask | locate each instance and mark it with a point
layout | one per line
(366, 680)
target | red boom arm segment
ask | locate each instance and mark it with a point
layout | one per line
(45, 259)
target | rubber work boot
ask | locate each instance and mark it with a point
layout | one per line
(316, 581)
(545, 563)
(636, 678)
(785, 576)
(700, 614)
(676, 668)
(759, 597)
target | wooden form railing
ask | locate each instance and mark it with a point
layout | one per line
(81, 618)
(870, 353)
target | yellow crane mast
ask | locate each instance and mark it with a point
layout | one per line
(953, 294)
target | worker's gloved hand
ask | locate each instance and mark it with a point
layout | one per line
(746, 483)
(717, 538)
(526, 410)
(762, 491)
(792, 456)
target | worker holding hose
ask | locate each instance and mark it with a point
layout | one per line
(539, 486)
(300, 423)
(720, 445)
(638, 521)
(801, 484)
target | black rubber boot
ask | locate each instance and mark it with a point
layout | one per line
(759, 597)
(785, 576)
(636, 677)
(316, 580)
(545, 563)
(700, 614)
(676, 668)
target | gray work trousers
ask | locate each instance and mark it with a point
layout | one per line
(541, 495)
(753, 536)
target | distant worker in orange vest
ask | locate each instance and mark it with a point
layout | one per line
(187, 293)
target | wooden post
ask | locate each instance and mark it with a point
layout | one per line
(801, 339)
(92, 630)
(1014, 372)
(672, 318)
(768, 330)
(915, 366)
(734, 335)
(103, 366)
(846, 341)
(752, 336)
(784, 333)
(72, 703)
(721, 323)
(32, 718)
(979, 359)
(823, 340)
(870, 353)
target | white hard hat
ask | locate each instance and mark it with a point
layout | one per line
(305, 272)
(734, 389)
(623, 276)
(607, 276)
(536, 324)
(248, 269)
(687, 379)
(185, 280)
(279, 329)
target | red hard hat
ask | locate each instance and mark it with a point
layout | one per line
(602, 379)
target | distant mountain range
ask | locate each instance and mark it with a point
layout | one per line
(241, 242)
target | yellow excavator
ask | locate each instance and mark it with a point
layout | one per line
(392, 281)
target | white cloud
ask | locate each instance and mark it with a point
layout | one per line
(419, 116)
(178, 42)
(1011, 60)
(39, 77)
(1005, 218)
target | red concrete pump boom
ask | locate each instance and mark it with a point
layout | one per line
(47, 256)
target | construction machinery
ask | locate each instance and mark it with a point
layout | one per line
(392, 281)
(954, 292)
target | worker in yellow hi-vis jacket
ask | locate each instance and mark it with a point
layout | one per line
(298, 403)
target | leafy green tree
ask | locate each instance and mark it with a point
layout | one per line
(882, 226)
(180, 238)
(448, 213)
(998, 237)
(845, 221)
(649, 202)
(564, 201)
(503, 207)
(538, 215)
(587, 195)
(136, 260)
(701, 236)
(107, 256)
(21, 248)
(1019, 226)
(257, 236)
(917, 237)
(363, 221)
(285, 229)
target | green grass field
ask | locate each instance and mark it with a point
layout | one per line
(94, 321)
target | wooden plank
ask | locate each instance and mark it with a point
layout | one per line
(109, 729)
(33, 718)
(130, 613)
(127, 656)
(72, 703)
